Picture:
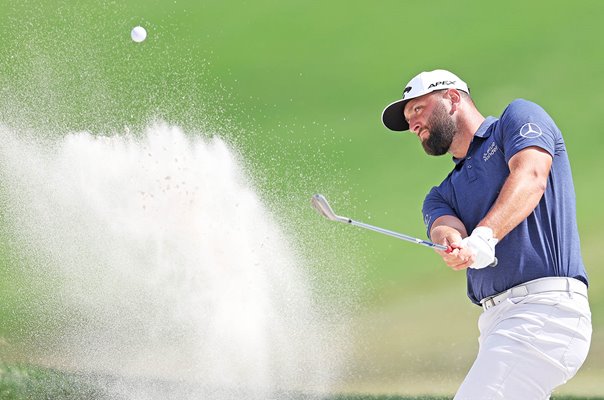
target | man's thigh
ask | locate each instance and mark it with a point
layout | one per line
(529, 348)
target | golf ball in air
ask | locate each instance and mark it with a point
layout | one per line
(138, 34)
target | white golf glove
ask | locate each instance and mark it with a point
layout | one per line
(482, 243)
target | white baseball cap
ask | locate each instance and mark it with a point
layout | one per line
(424, 83)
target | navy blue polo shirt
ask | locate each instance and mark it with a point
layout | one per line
(546, 243)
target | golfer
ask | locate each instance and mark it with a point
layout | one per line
(510, 198)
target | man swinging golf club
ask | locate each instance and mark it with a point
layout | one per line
(510, 193)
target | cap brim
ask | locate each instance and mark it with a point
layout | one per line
(393, 118)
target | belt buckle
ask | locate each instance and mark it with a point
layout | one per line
(488, 303)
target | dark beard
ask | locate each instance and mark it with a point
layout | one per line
(442, 131)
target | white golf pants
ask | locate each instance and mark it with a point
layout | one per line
(529, 346)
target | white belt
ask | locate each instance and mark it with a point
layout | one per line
(542, 285)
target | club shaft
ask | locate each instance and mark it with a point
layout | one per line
(404, 237)
(319, 202)
(398, 235)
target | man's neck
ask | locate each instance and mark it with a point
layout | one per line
(467, 128)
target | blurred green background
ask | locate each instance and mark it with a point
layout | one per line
(298, 87)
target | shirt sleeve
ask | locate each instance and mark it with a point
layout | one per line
(435, 206)
(525, 124)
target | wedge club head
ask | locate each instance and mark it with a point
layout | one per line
(319, 202)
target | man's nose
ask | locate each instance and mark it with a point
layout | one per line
(414, 126)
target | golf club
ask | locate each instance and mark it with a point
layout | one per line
(319, 202)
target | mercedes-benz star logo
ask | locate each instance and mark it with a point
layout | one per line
(530, 130)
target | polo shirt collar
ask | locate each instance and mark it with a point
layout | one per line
(482, 132)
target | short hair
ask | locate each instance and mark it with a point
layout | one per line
(467, 97)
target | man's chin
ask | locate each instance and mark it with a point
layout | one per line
(434, 152)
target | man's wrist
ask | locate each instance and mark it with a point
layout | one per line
(485, 233)
(482, 243)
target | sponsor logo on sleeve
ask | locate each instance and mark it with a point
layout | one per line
(530, 130)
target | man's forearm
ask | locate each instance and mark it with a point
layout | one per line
(447, 229)
(520, 193)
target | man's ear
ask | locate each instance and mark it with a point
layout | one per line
(454, 97)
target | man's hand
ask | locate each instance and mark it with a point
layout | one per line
(448, 230)
(457, 257)
(481, 244)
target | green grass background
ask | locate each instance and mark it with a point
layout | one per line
(298, 87)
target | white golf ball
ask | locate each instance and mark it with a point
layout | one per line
(138, 34)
